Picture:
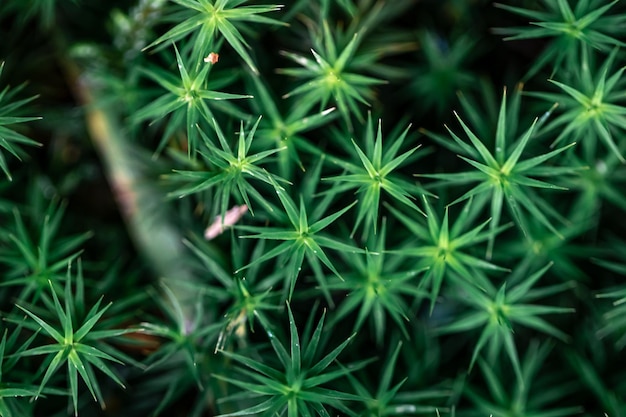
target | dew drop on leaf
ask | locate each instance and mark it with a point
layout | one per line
(406, 408)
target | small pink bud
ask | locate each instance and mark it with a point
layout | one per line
(220, 223)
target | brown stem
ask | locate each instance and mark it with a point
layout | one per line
(141, 206)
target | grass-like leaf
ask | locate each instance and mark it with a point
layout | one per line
(181, 335)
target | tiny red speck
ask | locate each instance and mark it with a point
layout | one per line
(212, 58)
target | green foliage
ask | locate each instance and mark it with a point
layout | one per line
(200, 20)
(531, 396)
(444, 71)
(32, 262)
(374, 175)
(283, 220)
(10, 140)
(299, 388)
(285, 127)
(247, 296)
(302, 238)
(328, 75)
(10, 391)
(376, 288)
(228, 171)
(185, 100)
(77, 342)
(497, 310)
(503, 177)
(591, 109)
(44, 11)
(390, 400)
(588, 23)
(614, 322)
(442, 247)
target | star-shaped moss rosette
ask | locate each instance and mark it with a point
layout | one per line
(298, 386)
(227, 172)
(443, 71)
(34, 260)
(11, 140)
(303, 237)
(534, 396)
(376, 288)
(285, 125)
(246, 296)
(75, 341)
(329, 75)
(442, 248)
(200, 21)
(591, 108)
(372, 172)
(587, 24)
(390, 400)
(497, 311)
(185, 102)
(504, 177)
(182, 339)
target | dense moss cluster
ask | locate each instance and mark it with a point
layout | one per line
(329, 207)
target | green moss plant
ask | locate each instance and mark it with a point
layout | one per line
(361, 208)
